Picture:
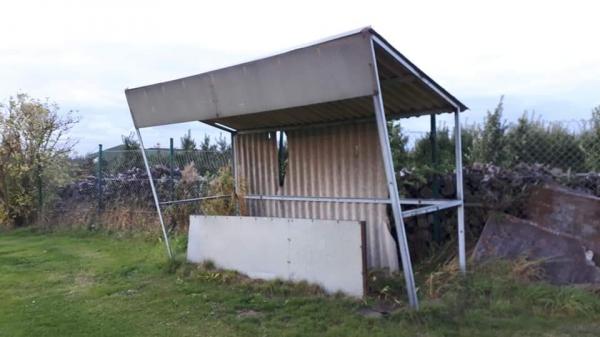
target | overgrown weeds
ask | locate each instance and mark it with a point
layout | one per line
(501, 287)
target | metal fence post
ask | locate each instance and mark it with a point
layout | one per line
(171, 164)
(462, 260)
(435, 186)
(99, 178)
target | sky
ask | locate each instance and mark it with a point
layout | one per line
(543, 56)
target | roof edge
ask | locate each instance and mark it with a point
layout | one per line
(273, 54)
(420, 72)
(366, 29)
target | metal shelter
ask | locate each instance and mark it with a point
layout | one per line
(351, 78)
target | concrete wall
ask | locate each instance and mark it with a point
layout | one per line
(325, 252)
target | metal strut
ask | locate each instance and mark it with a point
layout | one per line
(156, 201)
(386, 152)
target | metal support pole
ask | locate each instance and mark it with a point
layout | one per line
(171, 167)
(462, 261)
(388, 162)
(235, 199)
(156, 201)
(435, 184)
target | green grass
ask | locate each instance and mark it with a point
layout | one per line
(82, 284)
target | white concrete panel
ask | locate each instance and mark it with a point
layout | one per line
(324, 252)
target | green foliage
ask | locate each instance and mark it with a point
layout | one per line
(206, 144)
(491, 145)
(528, 141)
(223, 145)
(398, 143)
(533, 141)
(590, 144)
(187, 142)
(422, 153)
(34, 150)
(125, 159)
(222, 184)
(130, 143)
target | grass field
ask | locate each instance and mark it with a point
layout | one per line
(83, 284)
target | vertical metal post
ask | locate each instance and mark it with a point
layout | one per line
(462, 261)
(156, 201)
(99, 178)
(233, 162)
(234, 174)
(388, 162)
(171, 164)
(435, 185)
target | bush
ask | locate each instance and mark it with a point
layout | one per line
(34, 150)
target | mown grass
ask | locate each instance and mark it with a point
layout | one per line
(82, 284)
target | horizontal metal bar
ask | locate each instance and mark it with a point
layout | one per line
(194, 199)
(318, 199)
(409, 201)
(430, 208)
(349, 199)
(306, 126)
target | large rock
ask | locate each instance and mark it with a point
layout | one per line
(563, 257)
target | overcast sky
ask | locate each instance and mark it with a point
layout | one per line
(542, 55)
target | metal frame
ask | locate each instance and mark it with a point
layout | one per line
(457, 145)
(182, 201)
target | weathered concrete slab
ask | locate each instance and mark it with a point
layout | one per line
(564, 258)
(329, 253)
(567, 212)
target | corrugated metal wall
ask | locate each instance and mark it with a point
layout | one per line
(333, 161)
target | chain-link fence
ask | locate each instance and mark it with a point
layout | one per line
(111, 187)
(565, 147)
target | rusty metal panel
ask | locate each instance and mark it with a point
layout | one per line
(563, 258)
(332, 161)
(565, 211)
(330, 71)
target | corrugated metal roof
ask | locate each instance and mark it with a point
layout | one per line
(331, 80)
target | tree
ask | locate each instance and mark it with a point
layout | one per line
(34, 149)
(223, 145)
(422, 155)
(398, 142)
(187, 142)
(130, 143)
(130, 157)
(534, 141)
(206, 145)
(491, 145)
(591, 142)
